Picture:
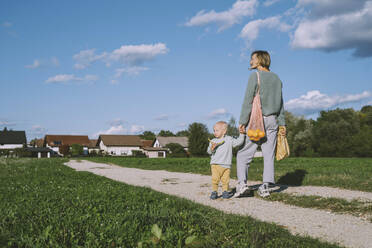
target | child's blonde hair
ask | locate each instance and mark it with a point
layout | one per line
(222, 123)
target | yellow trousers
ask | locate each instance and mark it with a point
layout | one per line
(222, 174)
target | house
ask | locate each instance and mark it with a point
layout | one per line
(41, 152)
(37, 143)
(93, 146)
(161, 141)
(147, 143)
(119, 145)
(55, 141)
(153, 152)
(10, 139)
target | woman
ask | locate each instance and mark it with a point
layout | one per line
(273, 116)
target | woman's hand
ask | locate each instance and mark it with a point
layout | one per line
(282, 130)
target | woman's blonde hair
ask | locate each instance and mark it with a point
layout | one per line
(263, 58)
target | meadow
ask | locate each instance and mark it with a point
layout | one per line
(46, 204)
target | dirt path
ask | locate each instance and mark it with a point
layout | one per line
(346, 230)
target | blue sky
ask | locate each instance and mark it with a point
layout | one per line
(124, 67)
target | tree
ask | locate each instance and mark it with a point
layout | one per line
(299, 135)
(334, 131)
(165, 133)
(198, 139)
(183, 133)
(176, 150)
(64, 150)
(366, 116)
(148, 135)
(232, 129)
(76, 150)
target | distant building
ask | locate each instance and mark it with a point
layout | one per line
(55, 141)
(161, 141)
(119, 145)
(93, 146)
(10, 139)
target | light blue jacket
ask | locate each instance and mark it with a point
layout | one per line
(222, 154)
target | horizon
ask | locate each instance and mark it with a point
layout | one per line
(129, 67)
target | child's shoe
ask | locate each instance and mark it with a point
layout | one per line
(214, 195)
(263, 190)
(226, 195)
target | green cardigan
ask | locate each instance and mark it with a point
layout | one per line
(270, 95)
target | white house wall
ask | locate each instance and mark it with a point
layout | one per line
(122, 151)
(11, 146)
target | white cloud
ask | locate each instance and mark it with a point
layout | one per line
(330, 7)
(225, 19)
(182, 125)
(7, 24)
(86, 57)
(64, 78)
(131, 71)
(44, 62)
(163, 117)
(268, 3)
(6, 123)
(120, 129)
(218, 114)
(132, 56)
(117, 127)
(136, 129)
(37, 130)
(250, 31)
(137, 54)
(314, 101)
(117, 122)
(54, 61)
(335, 25)
(34, 65)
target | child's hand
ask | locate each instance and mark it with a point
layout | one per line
(241, 129)
(213, 146)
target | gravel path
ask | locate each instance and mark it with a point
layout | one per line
(346, 230)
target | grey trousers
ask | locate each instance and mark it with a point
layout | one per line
(246, 153)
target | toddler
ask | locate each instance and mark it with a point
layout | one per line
(221, 150)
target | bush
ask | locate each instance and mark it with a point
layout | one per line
(64, 150)
(138, 154)
(77, 150)
(176, 151)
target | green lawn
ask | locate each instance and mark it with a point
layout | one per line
(46, 204)
(347, 173)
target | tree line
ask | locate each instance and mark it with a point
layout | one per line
(335, 133)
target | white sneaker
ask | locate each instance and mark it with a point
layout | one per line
(241, 190)
(263, 190)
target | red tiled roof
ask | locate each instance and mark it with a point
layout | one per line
(57, 140)
(120, 140)
(92, 143)
(147, 143)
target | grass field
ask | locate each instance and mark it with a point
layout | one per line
(46, 204)
(347, 173)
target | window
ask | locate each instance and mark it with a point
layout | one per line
(160, 154)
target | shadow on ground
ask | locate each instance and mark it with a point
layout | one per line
(294, 178)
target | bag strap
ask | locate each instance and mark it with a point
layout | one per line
(258, 82)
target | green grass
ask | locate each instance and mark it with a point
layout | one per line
(347, 173)
(46, 204)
